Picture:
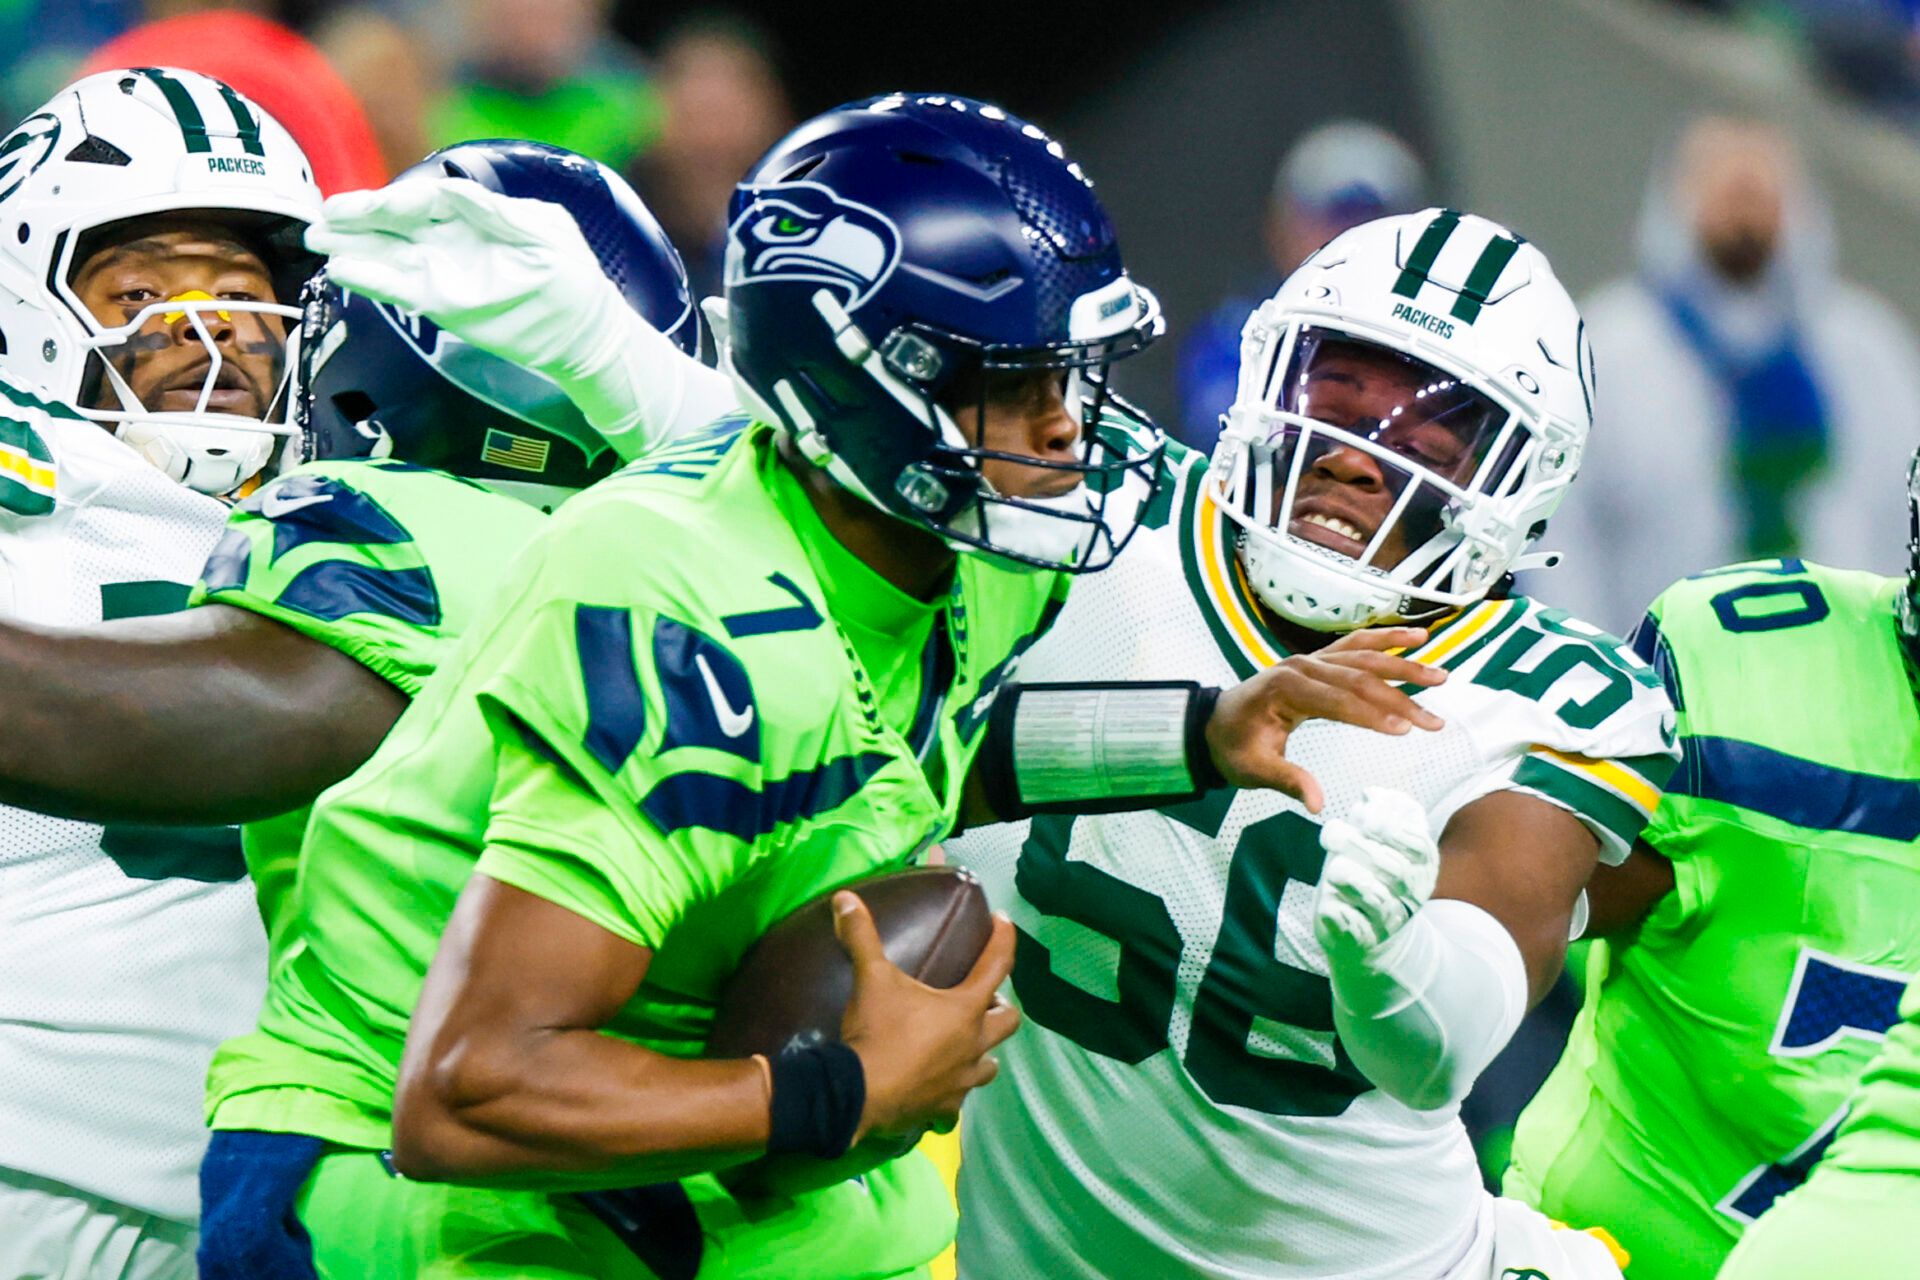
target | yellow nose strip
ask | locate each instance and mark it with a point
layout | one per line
(191, 295)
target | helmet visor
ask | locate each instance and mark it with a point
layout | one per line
(1367, 449)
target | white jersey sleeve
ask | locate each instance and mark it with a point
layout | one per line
(1178, 1104)
(126, 953)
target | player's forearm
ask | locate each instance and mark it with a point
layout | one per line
(573, 1110)
(211, 716)
(1425, 1012)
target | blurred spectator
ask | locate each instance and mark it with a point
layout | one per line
(724, 106)
(43, 41)
(392, 72)
(1750, 403)
(277, 69)
(551, 71)
(1339, 175)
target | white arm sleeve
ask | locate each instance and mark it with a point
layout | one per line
(1423, 1013)
(639, 390)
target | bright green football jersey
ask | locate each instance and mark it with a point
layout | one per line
(1712, 1062)
(688, 711)
(383, 560)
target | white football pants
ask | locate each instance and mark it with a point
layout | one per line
(50, 1231)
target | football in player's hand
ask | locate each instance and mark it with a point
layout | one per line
(793, 985)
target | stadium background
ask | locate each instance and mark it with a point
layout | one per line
(1544, 114)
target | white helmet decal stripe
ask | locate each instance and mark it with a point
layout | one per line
(193, 124)
(1478, 287)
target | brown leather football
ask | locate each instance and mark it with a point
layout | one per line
(793, 985)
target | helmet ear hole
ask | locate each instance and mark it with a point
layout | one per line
(355, 406)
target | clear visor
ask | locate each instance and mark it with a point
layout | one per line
(1364, 451)
(200, 362)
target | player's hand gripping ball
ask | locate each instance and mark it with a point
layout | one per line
(1382, 862)
(794, 984)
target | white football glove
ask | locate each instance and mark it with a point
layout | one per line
(516, 278)
(1382, 862)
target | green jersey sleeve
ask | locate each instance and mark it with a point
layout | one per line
(579, 809)
(379, 559)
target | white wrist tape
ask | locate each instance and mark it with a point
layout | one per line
(1424, 1013)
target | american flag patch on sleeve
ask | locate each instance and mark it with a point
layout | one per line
(522, 453)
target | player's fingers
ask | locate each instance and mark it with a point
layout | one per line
(1325, 691)
(389, 282)
(398, 206)
(983, 1073)
(853, 926)
(503, 219)
(1397, 712)
(1378, 638)
(1001, 1020)
(945, 1123)
(1272, 771)
(982, 983)
(1389, 666)
(334, 242)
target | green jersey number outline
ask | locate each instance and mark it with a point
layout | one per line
(1245, 984)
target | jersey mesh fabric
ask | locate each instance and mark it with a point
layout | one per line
(386, 562)
(118, 972)
(1710, 1064)
(615, 686)
(1177, 1104)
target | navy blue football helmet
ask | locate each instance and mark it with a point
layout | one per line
(883, 260)
(373, 380)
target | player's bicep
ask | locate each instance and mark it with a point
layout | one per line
(1525, 862)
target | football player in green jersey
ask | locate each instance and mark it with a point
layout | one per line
(336, 588)
(754, 666)
(1758, 941)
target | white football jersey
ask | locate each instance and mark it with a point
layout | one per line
(126, 953)
(1177, 1103)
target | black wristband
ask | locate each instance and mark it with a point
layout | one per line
(1206, 774)
(819, 1092)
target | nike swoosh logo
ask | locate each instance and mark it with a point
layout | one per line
(274, 504)
(732, 723)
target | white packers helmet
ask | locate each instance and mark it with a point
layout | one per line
(1412, 404)
(132, 144)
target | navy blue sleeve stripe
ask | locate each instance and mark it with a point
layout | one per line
(226, 568)
(310, 508)
(1651, 647)
(333, 589)
(713, 803)
(1804, 792)
(616, 707)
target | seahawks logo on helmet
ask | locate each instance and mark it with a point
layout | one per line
(803, 231)
(25, 150)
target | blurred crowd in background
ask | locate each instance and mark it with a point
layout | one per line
(1752, 402)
